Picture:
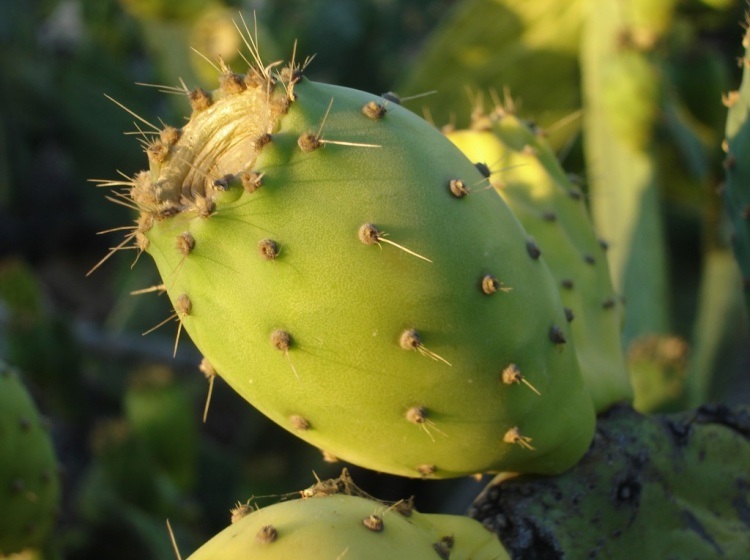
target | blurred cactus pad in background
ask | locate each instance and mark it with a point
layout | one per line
(441, 279)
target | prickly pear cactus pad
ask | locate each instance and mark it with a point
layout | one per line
(330, 521)
(29, 484)
(316, 249)
(526, 173)
(659, 486)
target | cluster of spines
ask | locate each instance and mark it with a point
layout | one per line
(156, 198)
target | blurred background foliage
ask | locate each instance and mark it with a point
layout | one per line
(126, 414)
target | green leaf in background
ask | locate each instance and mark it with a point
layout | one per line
(720, 330)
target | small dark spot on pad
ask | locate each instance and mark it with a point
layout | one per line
(483, 169)
(628, 492)
(533, 249)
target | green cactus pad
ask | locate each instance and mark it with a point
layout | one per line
(526, 173)
(326, 524)
(312, 247)
(657, 486)
(160, 414)
(623, 90)
(29, 484)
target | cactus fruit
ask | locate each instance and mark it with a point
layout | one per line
(526, 173)
(29, 484)
(656, 486)
(309, 241)
(333, 519)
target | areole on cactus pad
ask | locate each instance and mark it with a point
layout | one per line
(314, 246)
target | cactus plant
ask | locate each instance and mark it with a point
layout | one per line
(334, 519)
(657, 486)
(496, 44)
(623, 89)
(312, 247)
(736, 195)
(29, 483)
(526, 173)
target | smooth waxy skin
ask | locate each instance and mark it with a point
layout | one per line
(528, 176)
(306, 318)
(29, 483)
(330, 527)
